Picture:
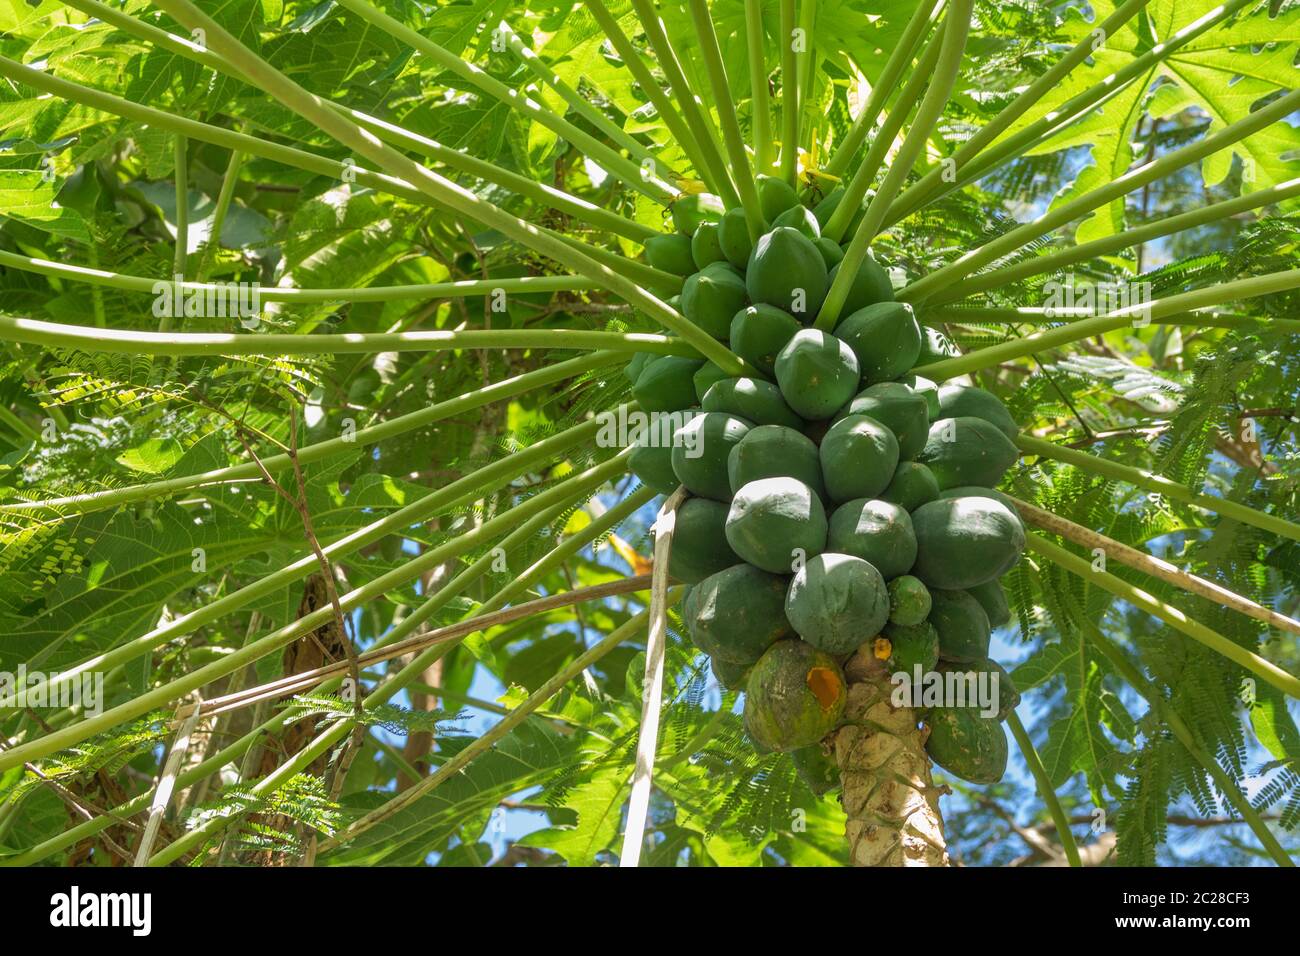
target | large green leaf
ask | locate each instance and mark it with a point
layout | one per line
(1221, 73)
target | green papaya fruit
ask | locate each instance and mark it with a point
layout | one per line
(967, 745)
(666, 385)
(801, 218)
(737, 613)
(733, 237)
(723, 266)
(691, 210)
(670, 252)
(962, 625)
(794, 697)
(817, 374)
(636, 365)
(773, 521)
(858, 456)
(935, 346)
(775, 451)
(994, 601)
(927, 390)
(979, 491)
(816, 768)
(831, 202)
(982, 685)
(705, 246)
(830, 250)
(875, 531)
(912, 645)
(909, 601)
(885, 337)
(837, 602)
(731, 676)
(870, 285)
(1008, 695)
(704, 378)
(653, 464)
(759, 332)
(967, 451)
(700, 449)
(775, 195)
(699, 541)
(912, 486)
(712, 296)
(824, 209)
(753, 400)
(786, 270)
(898, 408)
(965, 401)
(962, 542)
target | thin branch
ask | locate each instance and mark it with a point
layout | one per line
(651, 685)
(807, 65)
(304, 680)
(1149, 432)
(433, 290)
(489, 739)
(741, 171)
(931, 183)
(1067, 114)
(789, 95)
(1171, 718)
(760, 106)
(1135, 236)
(1134, 316)
(956, 28)
(651, 186)
(1156, 567)
(856, 188)
(167, 783)
(705, 133)
(1121, 186)
(890, 74)
(1149, 481)
(182, 176)
(320, 451)
(1044, 784)
(577, 101)
(462, 491)
(1261, 667)
(225, 197)
(126, 342)
(669, 113)
(462, 201)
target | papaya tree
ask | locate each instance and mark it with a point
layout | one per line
(747, 432)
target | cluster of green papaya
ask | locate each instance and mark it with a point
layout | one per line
(844, 500)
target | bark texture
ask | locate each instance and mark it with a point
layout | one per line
(325, 645)
(892, 805)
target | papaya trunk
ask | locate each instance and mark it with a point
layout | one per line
(892, 806)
